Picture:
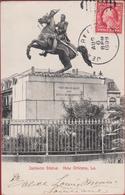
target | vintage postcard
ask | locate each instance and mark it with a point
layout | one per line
(63, 102)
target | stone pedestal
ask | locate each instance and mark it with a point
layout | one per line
(40, 95)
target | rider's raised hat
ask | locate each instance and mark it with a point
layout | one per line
(54, 11)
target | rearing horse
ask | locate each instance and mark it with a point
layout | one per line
(66, 52)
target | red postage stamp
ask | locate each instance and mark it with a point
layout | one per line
(109, 18)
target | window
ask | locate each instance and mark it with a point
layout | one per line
(112, 101)
(111, 85)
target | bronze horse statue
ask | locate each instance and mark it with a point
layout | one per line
(65, 51)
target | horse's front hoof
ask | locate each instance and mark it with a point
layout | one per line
(43, 54)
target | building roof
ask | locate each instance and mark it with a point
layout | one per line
(111, 85)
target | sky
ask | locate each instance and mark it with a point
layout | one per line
(19, 27)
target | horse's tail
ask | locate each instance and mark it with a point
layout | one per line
(84, 53)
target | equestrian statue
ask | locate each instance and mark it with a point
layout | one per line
(53, 39)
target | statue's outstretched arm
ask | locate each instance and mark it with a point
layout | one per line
(65, 27)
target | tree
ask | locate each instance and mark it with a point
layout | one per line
(117, 112)
(117, 130)
(113, 127)
(84, 109)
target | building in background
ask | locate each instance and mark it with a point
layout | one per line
(113, 93)
(7, 98)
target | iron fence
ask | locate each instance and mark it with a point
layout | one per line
(62, 136)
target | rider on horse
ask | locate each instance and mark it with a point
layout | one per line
(53, 39)
(57, 31)
(62, 28)
(49, 35)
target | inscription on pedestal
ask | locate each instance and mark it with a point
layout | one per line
(64, 91)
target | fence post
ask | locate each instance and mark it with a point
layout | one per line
(102, 137)
(47, 139)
